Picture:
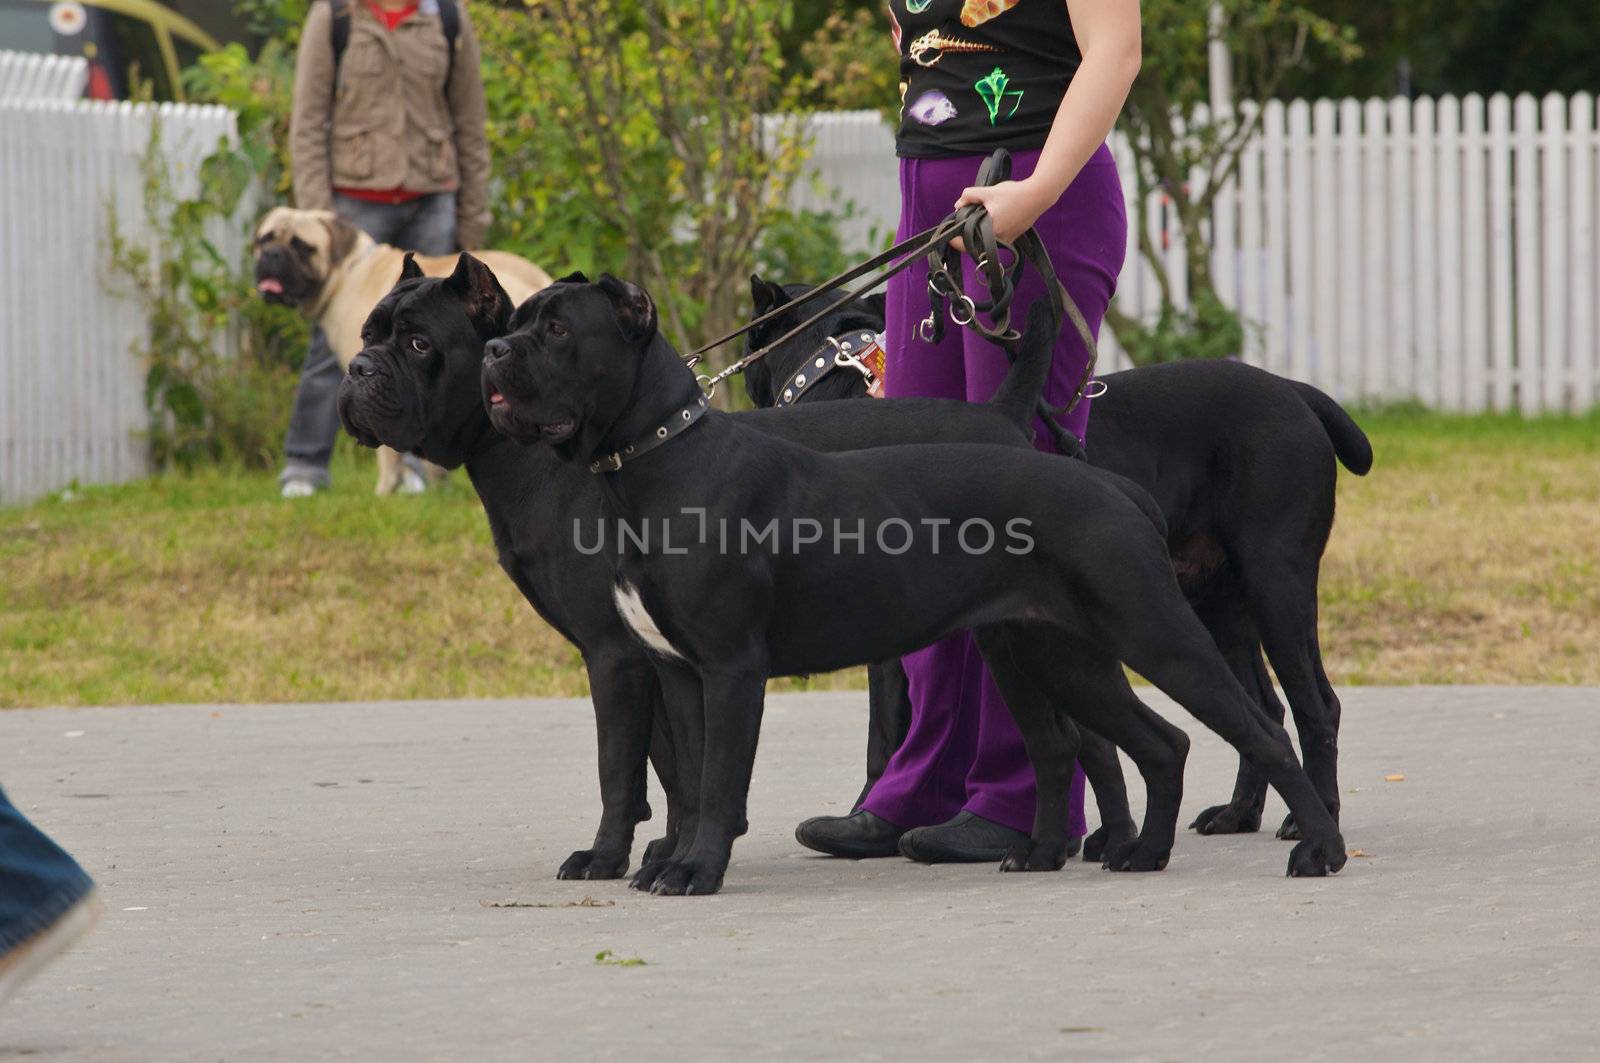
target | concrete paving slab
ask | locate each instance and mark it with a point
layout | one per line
(321, 881)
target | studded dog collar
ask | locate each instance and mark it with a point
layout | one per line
(861, 351)
(676, 425)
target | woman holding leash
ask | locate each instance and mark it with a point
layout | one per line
(1045, 79)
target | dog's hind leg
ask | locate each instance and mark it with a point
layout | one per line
(1183, 662)
(1098, 759)
(1051, 741)
(733, 703)
(1091, 688)
(1287, 611)
(1225, 615)
(621, 692)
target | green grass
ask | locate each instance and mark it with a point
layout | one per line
(1468, 555)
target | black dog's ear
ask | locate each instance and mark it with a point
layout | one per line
(878, 303)
(636, 311)
(577, 276)
(766, 295)
(486, 301)
(409, 270)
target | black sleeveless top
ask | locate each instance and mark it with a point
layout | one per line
(976, 75)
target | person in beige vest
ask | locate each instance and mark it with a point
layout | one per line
(388, 130)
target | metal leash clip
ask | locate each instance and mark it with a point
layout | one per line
(846, 360)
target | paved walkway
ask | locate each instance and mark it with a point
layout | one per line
(305, 882)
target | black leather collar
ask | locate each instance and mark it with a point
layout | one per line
(676, 425)
(839, 352)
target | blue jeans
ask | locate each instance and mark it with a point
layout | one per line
(38, 880)
(427, 226)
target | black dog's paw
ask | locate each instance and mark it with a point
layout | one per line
(1227, 819)
(1102, 841)
(660, 850)
(645, 878)
(591, 864)
(1029, 855)
(1314, 859)
(687, 879)
(1290, 830)
(1136, 855)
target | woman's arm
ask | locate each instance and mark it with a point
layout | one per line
(1108, 36)
(311, 122)
(470, 117)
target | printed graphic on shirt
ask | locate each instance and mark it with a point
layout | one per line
(932, 108)
(977, 12)
(931, 47)
(917, 7)
(894, 28)
(992, 89)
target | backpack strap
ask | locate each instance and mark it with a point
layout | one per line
(450, 22)
(338, 33)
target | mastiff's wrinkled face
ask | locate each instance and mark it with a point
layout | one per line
(570, 361)
(415, 384)
(297, 251)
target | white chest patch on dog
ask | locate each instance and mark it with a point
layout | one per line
(637, 617)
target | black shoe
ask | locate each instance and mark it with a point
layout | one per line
(858, 836)
(967, 839)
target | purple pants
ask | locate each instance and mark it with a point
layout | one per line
(963, 751)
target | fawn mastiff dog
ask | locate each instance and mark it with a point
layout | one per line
(334, 274)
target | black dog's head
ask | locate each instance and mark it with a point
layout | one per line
(414, 386)
(297, 251)
(570, 364)
(763, 378)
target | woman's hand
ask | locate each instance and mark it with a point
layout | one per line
(1013, 206)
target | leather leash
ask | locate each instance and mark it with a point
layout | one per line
(973, 225)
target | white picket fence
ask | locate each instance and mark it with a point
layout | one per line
(1440, 251)
(30, 76)
(71, 388)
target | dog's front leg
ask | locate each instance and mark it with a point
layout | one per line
(664, 759)
(625, 694)
(733, 704)
(683, 718)
(389, 470)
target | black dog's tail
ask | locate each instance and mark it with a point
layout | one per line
(1349, 441)
(1019, 394)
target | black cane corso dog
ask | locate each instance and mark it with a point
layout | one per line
(415, 387)
(732, 546)
(1242, 463)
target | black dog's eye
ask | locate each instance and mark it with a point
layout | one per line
(558, 329)
(300, 246)
(420, 345)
